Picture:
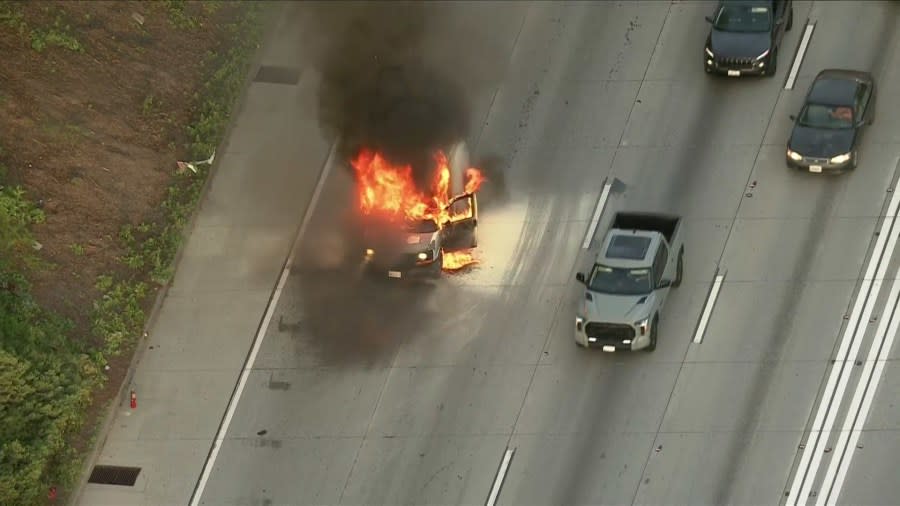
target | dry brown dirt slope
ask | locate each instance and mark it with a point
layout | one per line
(94, 101)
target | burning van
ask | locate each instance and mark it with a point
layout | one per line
(409, 230)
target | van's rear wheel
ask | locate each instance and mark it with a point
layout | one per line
(437, 267)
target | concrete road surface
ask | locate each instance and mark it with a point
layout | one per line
(371, 391)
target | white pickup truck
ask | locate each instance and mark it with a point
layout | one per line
(640, 260)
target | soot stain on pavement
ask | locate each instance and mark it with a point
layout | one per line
(383, 85)
(345, 317)
(352, 319)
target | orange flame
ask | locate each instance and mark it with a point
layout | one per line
(456, 260)
(389, 189)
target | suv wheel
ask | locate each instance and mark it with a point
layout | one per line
(773, 64)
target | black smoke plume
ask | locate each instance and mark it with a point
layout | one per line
(380, 87)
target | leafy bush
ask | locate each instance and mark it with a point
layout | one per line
(45, 380)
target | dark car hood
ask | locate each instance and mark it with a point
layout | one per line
(737, 44)
(821, 143)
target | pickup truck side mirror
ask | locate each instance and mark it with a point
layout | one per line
(580, 277)
(664, 283)
(708, 19)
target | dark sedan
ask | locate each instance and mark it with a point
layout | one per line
(826, 134)
(746, 35)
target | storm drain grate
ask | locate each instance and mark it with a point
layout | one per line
(277, 75)
(114, 475)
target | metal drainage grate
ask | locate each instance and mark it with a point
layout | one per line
(114, 475)
(277, 75)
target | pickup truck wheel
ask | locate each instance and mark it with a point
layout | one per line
(653, 333)
(679, 270)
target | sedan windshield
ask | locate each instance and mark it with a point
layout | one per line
(743, 18)
(620, 281)
(826, 116)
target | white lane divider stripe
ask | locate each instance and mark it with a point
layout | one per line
(707, 310)
(598, 211)
(865, 300)
(501, 474)
(260, 334)
(859, 410)
(847, 365)
(795, 68)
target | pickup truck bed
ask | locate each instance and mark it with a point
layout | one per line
(662, 223)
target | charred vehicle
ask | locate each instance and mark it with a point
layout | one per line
(408, 230)
(408, 247)
(640, 261)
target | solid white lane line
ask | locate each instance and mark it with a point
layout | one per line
(847, 368)
(707, 310)
(865, 300)
(501, 474)
(260, 334)
(795, 68)
(862, 401)
(601, 203)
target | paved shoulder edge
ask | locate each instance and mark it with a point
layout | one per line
(269, 20)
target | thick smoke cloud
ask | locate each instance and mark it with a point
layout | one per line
(380, 86)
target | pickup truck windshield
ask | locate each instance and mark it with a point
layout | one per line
(620, 281)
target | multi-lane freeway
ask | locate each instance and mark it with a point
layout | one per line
(374, 392)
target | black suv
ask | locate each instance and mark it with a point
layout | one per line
(746, 35)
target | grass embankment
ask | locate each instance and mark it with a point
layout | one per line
(47, 378)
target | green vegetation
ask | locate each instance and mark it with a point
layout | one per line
(47, 379)
(11, 15)
(150, 248)
(58, 35)
(150, 105)
(16, 215)
(178, 16)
